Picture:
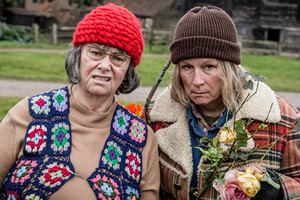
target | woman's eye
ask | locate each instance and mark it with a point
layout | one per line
(186, 67)
(209, 66)
(119, 58)
(97, 53)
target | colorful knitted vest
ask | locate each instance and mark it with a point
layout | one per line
(46, 163)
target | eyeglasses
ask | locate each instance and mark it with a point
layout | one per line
(96, 54)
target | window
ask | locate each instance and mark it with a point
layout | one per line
(273, 34)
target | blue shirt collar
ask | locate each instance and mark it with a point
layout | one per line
(193, 122)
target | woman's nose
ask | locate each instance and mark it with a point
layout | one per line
(105, 63)
(198, 78)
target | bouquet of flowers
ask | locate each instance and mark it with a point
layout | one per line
(243, 185)
(225, 148)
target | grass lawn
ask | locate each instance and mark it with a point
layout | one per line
(5, 104)
(282, 74)
(36, 45)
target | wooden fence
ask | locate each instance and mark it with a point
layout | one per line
(164, 38)
(265, 47)
(153, 37)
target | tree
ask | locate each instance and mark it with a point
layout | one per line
(8, 3)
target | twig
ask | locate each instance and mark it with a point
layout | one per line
(263, 121)
(269, 145)
(162, 73)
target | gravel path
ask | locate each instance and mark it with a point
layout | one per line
(14, 88)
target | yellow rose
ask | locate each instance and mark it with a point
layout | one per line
(249, 184)
(250, 170)
(226, 136)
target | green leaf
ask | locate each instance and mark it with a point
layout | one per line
(213, 151)
(204, 139)
(239, 126)
(245, 74)
(268, 179)
(215, 142)
(242, 137)
(262, 126)
(222, 181)
(219, 150)
(242, 156)
(258, 77)
(248, 85)
(221, 174)
(233, 155)
(241, 143)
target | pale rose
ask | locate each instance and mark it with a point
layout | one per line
(231, 174)
(258, 169)
(219, 188)
(255, 170)
(233, 191)
(226, 136)
(249, 184)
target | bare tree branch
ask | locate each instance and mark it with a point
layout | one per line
(162, 73)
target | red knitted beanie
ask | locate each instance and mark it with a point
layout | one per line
(206, 32)
(113, 26)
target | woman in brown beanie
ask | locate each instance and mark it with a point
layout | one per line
(206, 91)
(77, 142)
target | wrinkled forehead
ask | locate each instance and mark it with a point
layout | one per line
(107, 48)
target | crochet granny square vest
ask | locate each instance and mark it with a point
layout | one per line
(46, 163)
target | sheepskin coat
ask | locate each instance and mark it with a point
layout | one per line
(169, 121)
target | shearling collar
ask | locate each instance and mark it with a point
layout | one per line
(175, 139)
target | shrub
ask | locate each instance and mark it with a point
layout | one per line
(14, 34)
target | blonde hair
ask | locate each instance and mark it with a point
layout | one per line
(232, 90)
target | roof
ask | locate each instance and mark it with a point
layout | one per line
(22, 11)
(143, 8)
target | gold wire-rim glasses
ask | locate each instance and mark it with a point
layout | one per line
(95, 53)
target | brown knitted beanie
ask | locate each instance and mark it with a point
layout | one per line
(206, 32)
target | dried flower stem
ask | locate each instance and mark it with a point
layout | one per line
(246, 99)
(263, 121)
(162, 73)
(271, 145)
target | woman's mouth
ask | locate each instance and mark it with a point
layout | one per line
(102, 78)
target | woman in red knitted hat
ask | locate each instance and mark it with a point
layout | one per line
(206, 102)
(77, 142)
